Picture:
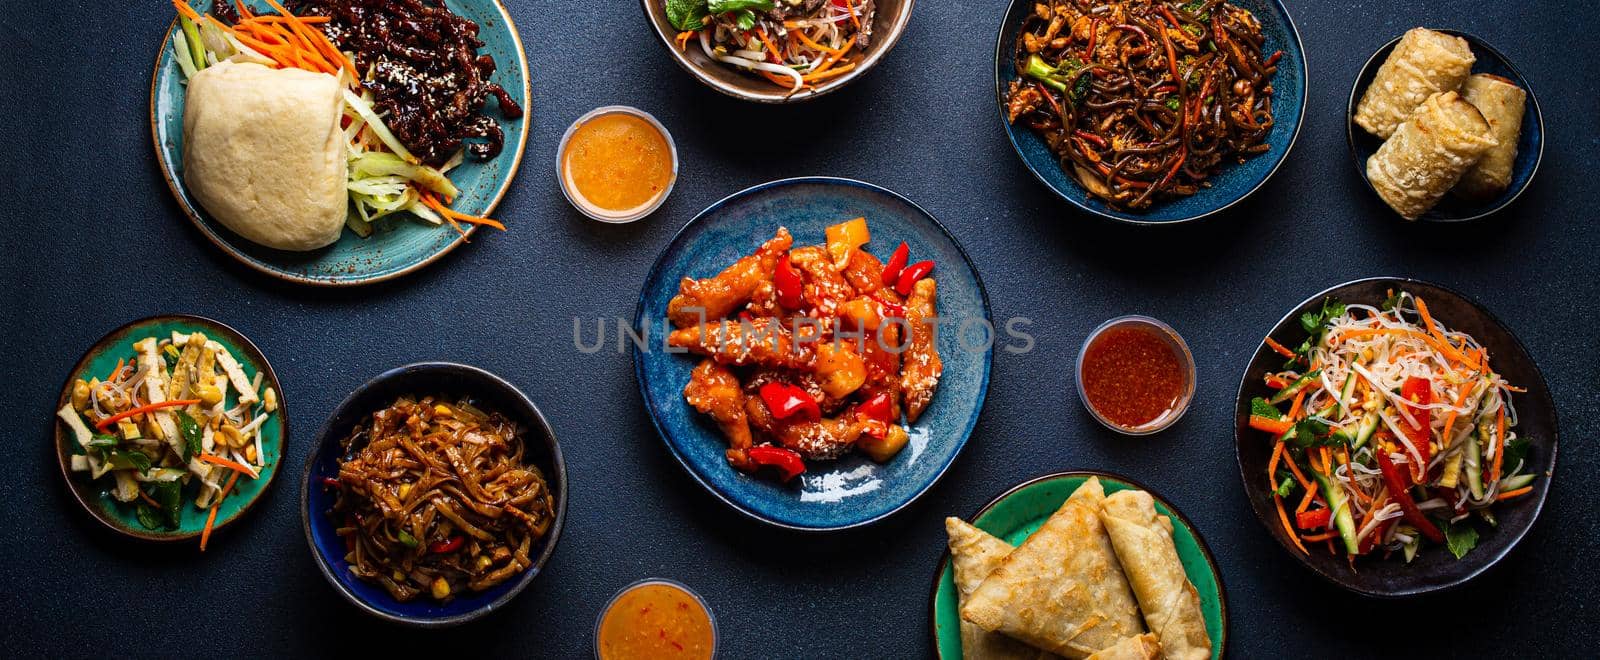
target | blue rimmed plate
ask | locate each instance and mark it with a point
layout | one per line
(853, 490)
(1530, 143)
(487, 391)
(398, 246)
(1231, 184)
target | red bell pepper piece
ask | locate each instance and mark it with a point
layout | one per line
(1317, 519)
(910, 275)
(330, 482)
(449, 545)
(877, 407)
(785, 401)
(897, 263)
(786, 283)
(1418, 391)
(1397, 489)
(787, 461)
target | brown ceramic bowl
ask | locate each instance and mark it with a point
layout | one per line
(887, 25)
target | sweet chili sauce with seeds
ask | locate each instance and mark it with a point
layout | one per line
(655, 620)
(1132, 375)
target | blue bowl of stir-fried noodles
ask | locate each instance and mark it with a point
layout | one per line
(1232, 181)
(485, 390)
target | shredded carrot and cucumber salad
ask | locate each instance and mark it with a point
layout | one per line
(181, 414)
(384, 178)
(1389, 429)
(794, 44)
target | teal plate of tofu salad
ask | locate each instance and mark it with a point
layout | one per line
(170, 427)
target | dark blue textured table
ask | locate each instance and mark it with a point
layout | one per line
(93, 239)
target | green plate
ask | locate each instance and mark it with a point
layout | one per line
(100, 360)
(1018, 512)
(398, 246)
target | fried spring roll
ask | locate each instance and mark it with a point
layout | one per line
(974, 554)
(1424, 63)
(1143, 541)
(1501, 102)
(1428, 154)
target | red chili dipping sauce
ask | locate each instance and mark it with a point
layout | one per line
(1134, 375)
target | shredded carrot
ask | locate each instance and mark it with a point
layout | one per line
(309, 20)
(232, 465)
(831, 73)
(828, 63)
(149, 500)
(1272, 464)
(1280, 349)
(809, 42)
(1294, 410)
(1283, 517)
(1298, 475)
(773, 50)
(1325, 536)
(1443, 347)
(107, 422)
(211, 518)
(850, 6)
(1515, 493)
(316, 38)
(1305, 502)
(1274, 426)
(1276, 382)
(185, 10)
(683, 39)
(117, 370)
(429, 201)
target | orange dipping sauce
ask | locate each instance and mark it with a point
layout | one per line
(655, 620)
(617, 165)
(1134, 376)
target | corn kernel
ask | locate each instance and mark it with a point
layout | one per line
(441, 589)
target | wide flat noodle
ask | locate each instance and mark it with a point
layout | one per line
(1428, 154)
(974, 554)
(1424, 63)
(1138, 647)
(1502, 103)
(1150, 559)
(1061, 590)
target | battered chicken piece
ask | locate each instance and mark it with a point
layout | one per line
(826, 438)
(882, 353)
(763, 341)
(720, 295)
(921, 366)
(864, 272)
(825, 288)
(714, 390)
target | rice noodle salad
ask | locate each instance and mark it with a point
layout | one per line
(1397, 431)
(793, 43)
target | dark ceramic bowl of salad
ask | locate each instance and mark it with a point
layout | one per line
(1435, 566)
(669, 18)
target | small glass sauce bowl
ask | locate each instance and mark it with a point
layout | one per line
(1184, 373)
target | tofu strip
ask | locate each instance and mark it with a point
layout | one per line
(155, 382)
(230, 366)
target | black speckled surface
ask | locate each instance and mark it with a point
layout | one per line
(93, 239)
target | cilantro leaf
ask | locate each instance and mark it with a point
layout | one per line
(190, 430)
(725, 6)
(1460, 538)
(1311, 432)
(1260, 408)
(1516, 450)
(686, 15)
(1284, 487)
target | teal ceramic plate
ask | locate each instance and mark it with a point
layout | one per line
(101, 359)
(400, 245)
(1018, 512)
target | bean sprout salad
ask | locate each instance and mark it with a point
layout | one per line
(796, 44)
(1398, 430)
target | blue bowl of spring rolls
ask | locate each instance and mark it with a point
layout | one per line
(1230, 184)
(492, 394)
(1530, 143)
